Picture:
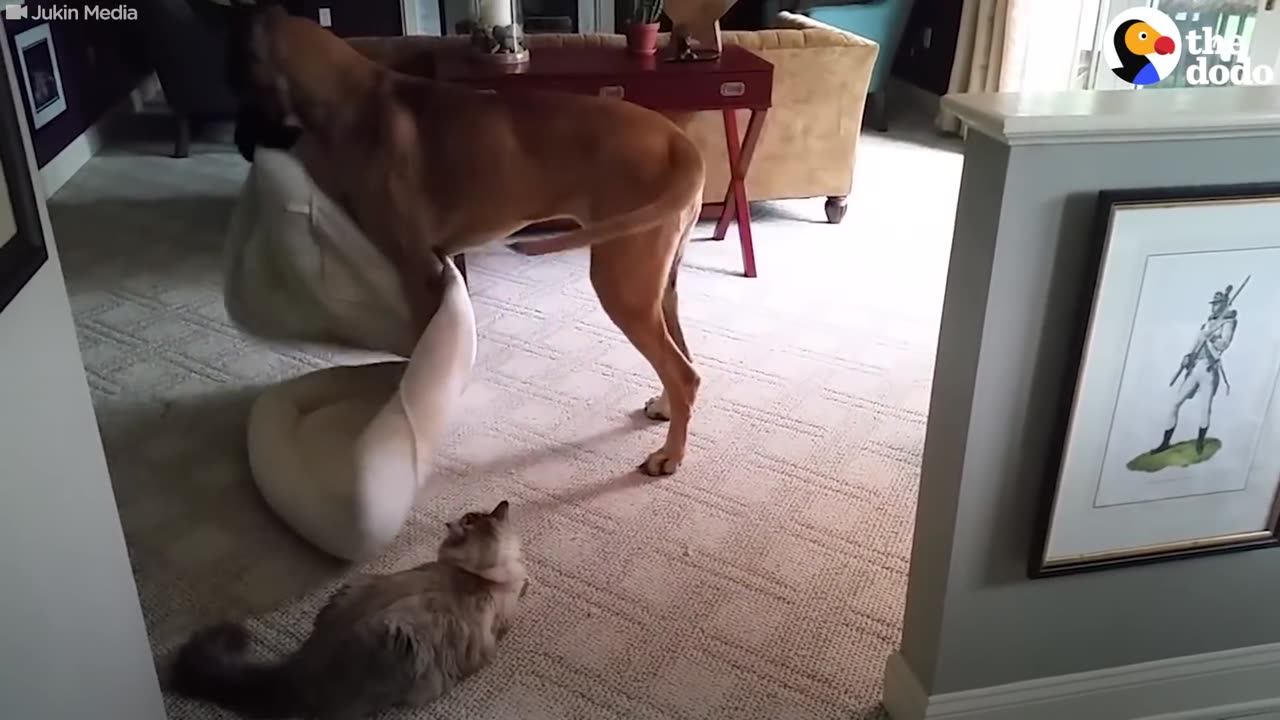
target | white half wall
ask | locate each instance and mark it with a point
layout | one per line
(1187, 639)
(73, 645)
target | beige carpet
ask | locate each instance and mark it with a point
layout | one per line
(765, 580)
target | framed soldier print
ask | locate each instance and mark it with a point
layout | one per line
(1169, 442)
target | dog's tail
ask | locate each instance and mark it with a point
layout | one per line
(688, 169)
(211, 666)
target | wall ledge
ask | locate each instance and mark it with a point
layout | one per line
(1211, 686)
(1098, 116)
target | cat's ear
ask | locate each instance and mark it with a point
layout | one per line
(500, 512)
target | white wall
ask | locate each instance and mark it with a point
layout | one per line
(72, 640)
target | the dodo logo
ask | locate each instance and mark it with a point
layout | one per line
(1142, 46)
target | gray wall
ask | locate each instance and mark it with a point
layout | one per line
(72, 642)
(973, 617)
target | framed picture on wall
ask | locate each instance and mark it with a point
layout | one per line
(22, 245)
(40, 75)
(1169, 441)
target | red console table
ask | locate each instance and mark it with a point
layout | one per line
(738, 80)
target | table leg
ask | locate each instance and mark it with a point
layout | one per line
(735, 199)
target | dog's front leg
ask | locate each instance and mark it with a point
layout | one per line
(404, 232)
(393, 232)
(423, 289)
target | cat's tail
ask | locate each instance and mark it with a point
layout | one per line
(212, 666)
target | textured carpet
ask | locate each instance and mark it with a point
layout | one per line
(765, 580)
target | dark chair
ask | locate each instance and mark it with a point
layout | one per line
(186, 44)
(882, 21)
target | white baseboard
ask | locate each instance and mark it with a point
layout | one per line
(68, 162)
(1228, 685)
(1260, 710)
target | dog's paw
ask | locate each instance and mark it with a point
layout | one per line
(658, 408)
(660, 463)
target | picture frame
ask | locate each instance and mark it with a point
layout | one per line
(1164, 444)
(22, 241)
(41, 76)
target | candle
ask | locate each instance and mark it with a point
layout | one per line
(495, 13)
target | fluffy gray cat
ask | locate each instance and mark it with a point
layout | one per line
(381, 641)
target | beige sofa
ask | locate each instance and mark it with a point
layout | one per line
(810, 138)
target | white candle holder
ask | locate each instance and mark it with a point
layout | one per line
(497, 32)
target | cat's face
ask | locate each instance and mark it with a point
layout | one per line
(481, 541)
(477, 527)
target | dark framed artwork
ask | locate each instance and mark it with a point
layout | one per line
(40, 74)
(1168, 443)
(22, 242)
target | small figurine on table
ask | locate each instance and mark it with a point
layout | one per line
(695, 28)
(507, 38)
(499, 43)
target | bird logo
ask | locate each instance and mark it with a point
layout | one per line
(1142, 46)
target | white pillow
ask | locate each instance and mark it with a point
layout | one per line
(340, 454)
(298, 268)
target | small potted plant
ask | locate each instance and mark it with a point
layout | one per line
(642, 29)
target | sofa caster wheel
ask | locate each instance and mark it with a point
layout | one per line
(836, 208)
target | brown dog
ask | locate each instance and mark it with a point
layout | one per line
(426, 168)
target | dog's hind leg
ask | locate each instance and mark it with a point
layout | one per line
(659, 407)
(631, 276)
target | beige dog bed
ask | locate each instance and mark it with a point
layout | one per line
(340, 454)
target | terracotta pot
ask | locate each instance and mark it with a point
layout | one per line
(642, 38)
